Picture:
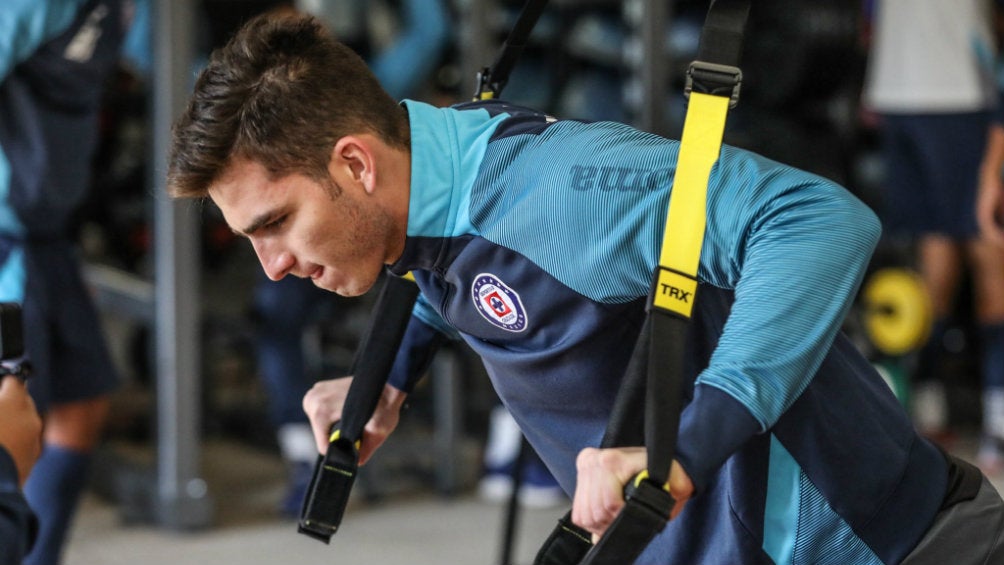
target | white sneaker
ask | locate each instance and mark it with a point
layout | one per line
(497, 489)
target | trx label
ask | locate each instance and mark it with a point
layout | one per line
(674, 292)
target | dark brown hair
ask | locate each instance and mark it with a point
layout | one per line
(281, 93)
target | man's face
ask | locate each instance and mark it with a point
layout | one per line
(297, 226)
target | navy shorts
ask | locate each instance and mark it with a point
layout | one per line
(932, 173)
(63, 335)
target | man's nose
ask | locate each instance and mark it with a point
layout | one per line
(276, 263)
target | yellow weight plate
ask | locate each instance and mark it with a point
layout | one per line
(898, 313)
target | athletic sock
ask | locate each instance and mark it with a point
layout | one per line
(299, 451)
(992, 366)
(53, 490)
(929, 404)
(930, 356)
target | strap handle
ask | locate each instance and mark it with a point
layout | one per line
(335, 472)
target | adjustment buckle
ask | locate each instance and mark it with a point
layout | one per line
(714, 79)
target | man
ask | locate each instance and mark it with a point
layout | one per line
(20, 444)
(54, 59)
(285, 309)
(791, 448)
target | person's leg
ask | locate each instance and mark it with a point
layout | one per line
(909, 209)
(72, 431)
(74, 376)
(940, 265)
(947, 153)
(538, 487)
(987, 264)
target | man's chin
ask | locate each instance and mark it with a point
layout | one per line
(347, 292)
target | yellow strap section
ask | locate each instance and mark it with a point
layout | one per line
(700, 146)
(335, 435)
(408, 276)
(644, 475)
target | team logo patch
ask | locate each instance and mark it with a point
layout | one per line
(498, 303)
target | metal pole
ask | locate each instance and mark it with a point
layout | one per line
(448, 416)
(477, 41)
(648, 60)
(182, 498)
(654, 63)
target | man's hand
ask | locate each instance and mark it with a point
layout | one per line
(323, 404)
(20, 426)
(599, 489)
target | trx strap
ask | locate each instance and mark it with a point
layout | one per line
(335, 471)
(491, 80)
(656, 366)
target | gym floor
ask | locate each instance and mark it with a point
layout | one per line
(415, 527)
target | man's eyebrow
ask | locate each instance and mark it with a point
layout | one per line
(255, 225)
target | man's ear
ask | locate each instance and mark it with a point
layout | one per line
(352, 161)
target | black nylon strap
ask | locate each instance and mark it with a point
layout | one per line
(335, 472)
(662, 400)
(375, 354)
(492, 80)
(722, 34)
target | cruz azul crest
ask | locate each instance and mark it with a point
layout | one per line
(498, 303)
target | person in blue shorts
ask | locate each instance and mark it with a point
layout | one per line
(791, 447)
(54, 60)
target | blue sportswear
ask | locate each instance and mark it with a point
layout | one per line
(534, 239)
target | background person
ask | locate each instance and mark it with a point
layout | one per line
(54, 60)
(931, 80)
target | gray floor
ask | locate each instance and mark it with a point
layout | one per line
(414, 527)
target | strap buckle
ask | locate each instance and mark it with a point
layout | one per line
(714, 79)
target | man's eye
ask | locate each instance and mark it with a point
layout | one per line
(275, 224)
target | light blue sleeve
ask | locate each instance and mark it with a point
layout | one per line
(27, 24)
(794, 247)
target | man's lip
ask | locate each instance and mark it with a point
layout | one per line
(317, 273)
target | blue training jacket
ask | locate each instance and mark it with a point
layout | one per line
(55, 57)
(535, 239)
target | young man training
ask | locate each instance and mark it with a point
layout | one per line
(791, 448)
